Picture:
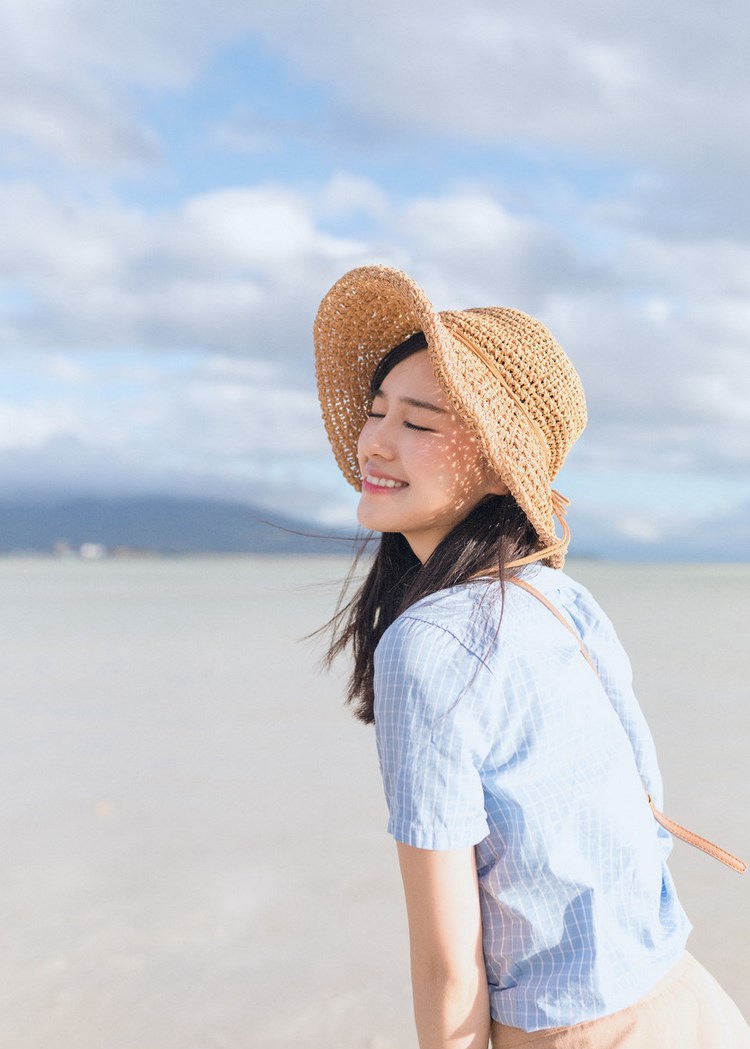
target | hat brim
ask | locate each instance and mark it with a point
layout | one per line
(374, 308)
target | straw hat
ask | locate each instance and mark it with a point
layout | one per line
(501, 370)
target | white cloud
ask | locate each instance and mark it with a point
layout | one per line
(69, 68)
(651, 85)
(209, 301)
(212, 426)
(257, 229)
(658, 327)
(660, 94)
(471, 249)
(643, 529)
(236, 269)
(54, 90)
(33, 425)
(579, 75)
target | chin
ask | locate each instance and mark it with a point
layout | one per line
(374, 519)
(370, 521)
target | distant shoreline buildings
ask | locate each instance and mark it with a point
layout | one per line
(91, 551)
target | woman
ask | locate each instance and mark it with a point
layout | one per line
(518, 773)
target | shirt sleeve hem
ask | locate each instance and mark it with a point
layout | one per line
(422, 838)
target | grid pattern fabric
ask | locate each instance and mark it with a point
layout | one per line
(505, 739)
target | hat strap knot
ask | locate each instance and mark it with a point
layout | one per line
(560, 504)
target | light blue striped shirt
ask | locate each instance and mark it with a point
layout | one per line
(507, 740)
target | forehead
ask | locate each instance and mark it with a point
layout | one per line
(414, 377)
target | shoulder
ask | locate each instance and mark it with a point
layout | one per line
(450, 624)
(578, 604)
(460, 629)
(553, 581)
(433, 659)
(570, 596)
(476, 621)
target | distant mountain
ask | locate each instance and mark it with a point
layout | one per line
(192, 526)
(161, 524)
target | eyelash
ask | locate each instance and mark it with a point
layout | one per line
(409, 426)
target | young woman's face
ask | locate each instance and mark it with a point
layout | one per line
(421, 469)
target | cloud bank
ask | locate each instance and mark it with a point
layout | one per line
(176, 206)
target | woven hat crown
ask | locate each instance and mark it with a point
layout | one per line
(535, 370)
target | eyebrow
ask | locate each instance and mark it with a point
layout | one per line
(415, 403)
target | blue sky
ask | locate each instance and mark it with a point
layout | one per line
(182, 183)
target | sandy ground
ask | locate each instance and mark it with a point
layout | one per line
(193, 832)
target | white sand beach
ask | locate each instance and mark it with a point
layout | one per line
(194, 851)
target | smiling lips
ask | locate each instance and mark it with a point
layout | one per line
(374, 481)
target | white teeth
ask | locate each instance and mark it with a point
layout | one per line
(385, 482)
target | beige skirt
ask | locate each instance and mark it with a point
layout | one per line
(687, 1009)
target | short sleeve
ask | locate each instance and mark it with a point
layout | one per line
(431, 723)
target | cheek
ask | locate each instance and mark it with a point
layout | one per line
(432, 463)
(454, 460)
(469, 473)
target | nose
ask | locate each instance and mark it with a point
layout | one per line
(376, 440)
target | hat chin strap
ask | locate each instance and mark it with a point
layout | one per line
(560, 506)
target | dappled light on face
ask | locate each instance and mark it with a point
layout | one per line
(431, 468)
(462, 474)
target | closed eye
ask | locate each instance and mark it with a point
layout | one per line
(409, 426)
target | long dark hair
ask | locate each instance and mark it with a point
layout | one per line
(491, 535)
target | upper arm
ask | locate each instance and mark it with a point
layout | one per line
(434, 707)
(442, 903)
